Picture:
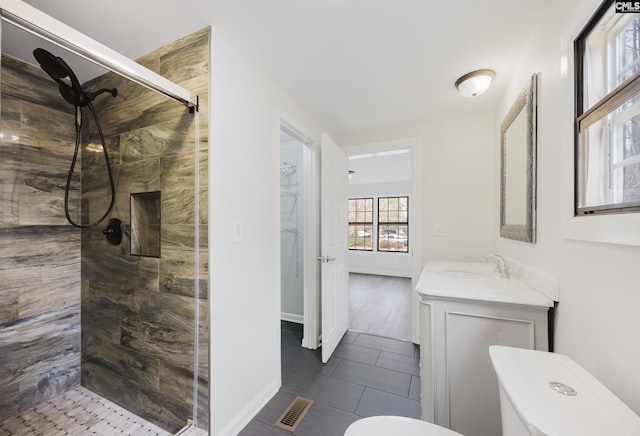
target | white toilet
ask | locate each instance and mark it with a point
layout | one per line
(541, 394)
(396, 425)
(545, 393)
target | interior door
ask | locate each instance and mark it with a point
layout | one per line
(334, 294)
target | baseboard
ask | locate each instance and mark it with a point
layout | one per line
(292, 317)
(378, 272)
(248, 413)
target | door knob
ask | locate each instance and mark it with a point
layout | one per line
(326, 259)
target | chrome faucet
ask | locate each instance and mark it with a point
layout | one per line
(501, 265)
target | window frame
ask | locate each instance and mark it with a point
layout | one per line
(360, 223)
(598, 112)
(389, 223)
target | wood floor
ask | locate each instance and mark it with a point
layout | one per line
(380, 305)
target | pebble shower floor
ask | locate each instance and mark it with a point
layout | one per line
(78, 412)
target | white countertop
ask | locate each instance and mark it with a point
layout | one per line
(475, 281)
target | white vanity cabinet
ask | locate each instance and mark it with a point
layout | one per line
(465, 308)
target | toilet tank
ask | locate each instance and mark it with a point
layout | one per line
(549, 394)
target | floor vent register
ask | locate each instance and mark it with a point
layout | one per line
(294, 414)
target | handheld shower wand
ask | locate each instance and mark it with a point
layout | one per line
(71, 90)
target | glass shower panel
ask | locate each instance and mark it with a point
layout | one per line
(76, 311)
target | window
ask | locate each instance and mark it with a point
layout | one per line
(607, 154)
(393, 224)
(360, 224)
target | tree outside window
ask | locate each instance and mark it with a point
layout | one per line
(360, 224)
(608, 113)
(393, 224)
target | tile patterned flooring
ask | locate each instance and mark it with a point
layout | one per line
(78, 412)
(368, 375)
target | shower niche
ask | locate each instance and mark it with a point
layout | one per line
(145, 224)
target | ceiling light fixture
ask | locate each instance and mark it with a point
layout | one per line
(475, 83)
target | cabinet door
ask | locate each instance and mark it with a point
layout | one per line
(466, 384)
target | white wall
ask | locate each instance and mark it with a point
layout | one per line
(245, 277)
(380, 262)
(459, 175)
(597, 321)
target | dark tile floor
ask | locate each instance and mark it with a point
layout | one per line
(368, 375)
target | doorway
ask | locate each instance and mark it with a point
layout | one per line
(291, 228)
(385, 243)
(298, 233)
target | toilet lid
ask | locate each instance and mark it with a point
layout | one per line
(396, 425)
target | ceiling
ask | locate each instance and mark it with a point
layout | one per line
(356, 65)
(385, 167)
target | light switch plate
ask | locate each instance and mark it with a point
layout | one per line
(238, 232)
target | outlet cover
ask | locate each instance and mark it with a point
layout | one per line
(440, 229)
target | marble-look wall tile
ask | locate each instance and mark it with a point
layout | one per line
(138, 312)
(177, 382)
(41, 209)
(129, 93)
(191, 60)
(26, 82)
(11, 122)
(177, 274)
(9, 305)
(9, 400)
(8, 203)
(121, 116)
(159, 325)
(54, 295)
(127, 364)
(172, 137)
(42, 387)
(40, 345)
(178, 206)
(134, 177)
(34, 117)
(93, 156)
(101, 312)
(105, 265)
(36, 255)
(34, 165)
(149, 404)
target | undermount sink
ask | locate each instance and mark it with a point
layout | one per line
(475, 281)
(463, 274)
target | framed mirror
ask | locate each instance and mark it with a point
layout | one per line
(518, 167)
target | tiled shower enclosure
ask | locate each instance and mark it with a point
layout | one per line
(75, 309)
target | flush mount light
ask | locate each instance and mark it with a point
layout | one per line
(475, 83)
(351, 173)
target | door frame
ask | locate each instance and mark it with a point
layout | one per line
(311, 230)
(415, 213)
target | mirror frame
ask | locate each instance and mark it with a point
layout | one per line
(527, 100)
